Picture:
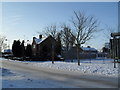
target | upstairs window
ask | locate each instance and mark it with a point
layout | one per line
(34, 46)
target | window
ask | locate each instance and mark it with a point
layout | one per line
(33, 46)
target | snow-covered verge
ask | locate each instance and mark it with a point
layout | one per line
(12, 79)
(84, 68)
(103, 67)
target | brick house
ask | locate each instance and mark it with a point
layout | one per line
(42, 48)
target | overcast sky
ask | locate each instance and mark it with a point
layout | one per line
(21, 20)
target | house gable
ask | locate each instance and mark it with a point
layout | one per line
(44, 48)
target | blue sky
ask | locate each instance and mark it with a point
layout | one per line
(23, 19)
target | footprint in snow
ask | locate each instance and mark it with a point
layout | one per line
(95, 71)
(29, 80)
(11, 85)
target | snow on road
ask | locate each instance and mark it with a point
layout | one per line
(94, 67)
(12, 79)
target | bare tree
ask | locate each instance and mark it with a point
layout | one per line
(72, 39)
(51, 30)
(84, 27)
(3, 45)
(107, 32)
(119, 28)
(59, 42)
(68, 38)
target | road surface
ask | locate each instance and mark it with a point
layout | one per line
(74, 79)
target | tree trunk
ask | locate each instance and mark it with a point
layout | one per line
(0, 51)
(53, 53)
(78, 54)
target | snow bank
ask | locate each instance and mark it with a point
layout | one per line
(103, 67)
(85, 68)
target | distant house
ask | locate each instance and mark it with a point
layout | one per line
(88, 50)
(7, 53)
(85, 53)
(42, 49)
(106, 50)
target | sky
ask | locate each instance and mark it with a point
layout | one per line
(22, 20)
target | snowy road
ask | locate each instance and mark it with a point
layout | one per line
(72, 79)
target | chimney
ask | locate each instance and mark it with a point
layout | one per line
(34, 38)
(40, 36)
(88, 47)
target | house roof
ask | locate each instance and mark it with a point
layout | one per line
(7, 50)
(38, 41)
(88, 49)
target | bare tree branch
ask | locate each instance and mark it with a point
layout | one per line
(68, 38)
(84, 26)
(107, 32)
(3, 45)
(51, 30)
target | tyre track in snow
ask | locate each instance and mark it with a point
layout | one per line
(69, 78)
